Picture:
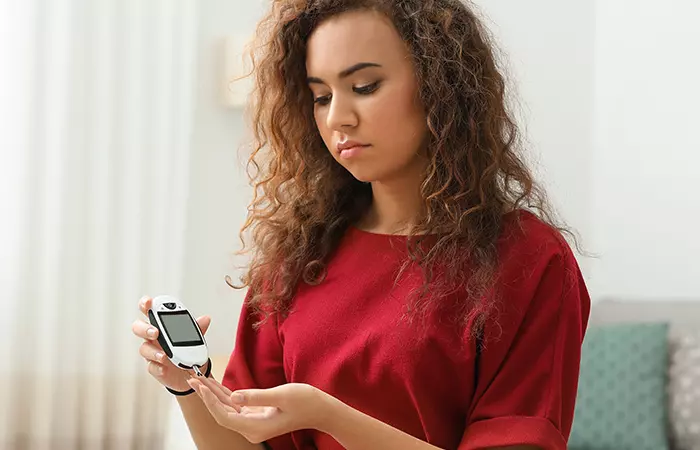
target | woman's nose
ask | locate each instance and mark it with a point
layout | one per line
(341, 114)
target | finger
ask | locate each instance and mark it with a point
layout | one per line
(152, 353)
(218, 410)
(204, 323)
(144, 330)
(221, 392)
(259, 412)
(256, 397)
(156, 370)
(216, 388)
(145, 304)
(211, 381)
(196, 384)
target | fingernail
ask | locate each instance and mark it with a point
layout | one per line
(238, 398)
(159, 356)
(152, 332)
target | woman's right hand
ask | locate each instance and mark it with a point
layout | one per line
(159, 366)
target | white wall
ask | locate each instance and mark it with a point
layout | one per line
(548, 46)
(646, 159)
(219, 189)
(611, 99)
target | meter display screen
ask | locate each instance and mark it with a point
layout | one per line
(180, 328)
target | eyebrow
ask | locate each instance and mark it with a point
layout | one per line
(345, 73)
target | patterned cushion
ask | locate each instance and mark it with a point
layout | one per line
(684, 388)
(621, 401)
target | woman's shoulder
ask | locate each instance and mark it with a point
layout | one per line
(539, 276)
(535, 256)
(525, 235)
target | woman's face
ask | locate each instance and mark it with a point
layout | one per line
(365, 92)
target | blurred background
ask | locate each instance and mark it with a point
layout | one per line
(122, 143)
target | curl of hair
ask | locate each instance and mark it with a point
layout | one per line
(304, 201)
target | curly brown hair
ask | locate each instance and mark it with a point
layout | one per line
(305, 201)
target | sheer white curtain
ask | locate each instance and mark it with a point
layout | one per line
(95, 113)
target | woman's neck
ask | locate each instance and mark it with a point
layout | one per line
(395, 206)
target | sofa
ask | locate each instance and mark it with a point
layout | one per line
(640, 377)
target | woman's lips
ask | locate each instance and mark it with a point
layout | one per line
(350, 150)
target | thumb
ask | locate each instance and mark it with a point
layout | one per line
(204, 323)
(256, 397)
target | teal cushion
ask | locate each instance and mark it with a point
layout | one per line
(621, 401)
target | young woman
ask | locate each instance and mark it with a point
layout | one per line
(408, 288)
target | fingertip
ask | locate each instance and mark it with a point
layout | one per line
(155, 369)
(144, 303)
(203, 390)
(204, 323)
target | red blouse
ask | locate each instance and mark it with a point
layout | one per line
(347, 338)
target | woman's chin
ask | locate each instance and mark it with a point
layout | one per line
(364, 176)
(371, 174)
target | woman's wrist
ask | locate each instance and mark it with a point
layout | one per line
(186, 389)
(331, 412)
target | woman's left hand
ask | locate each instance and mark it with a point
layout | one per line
(263, 414)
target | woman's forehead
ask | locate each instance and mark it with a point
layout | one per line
(350, 38)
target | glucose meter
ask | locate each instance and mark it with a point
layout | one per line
(178, 333)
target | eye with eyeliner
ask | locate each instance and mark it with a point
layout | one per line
(322, 100)
(367, 89)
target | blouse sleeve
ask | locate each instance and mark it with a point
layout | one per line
(256, 362)
(527, 374)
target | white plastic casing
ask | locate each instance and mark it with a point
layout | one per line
(184, 356)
